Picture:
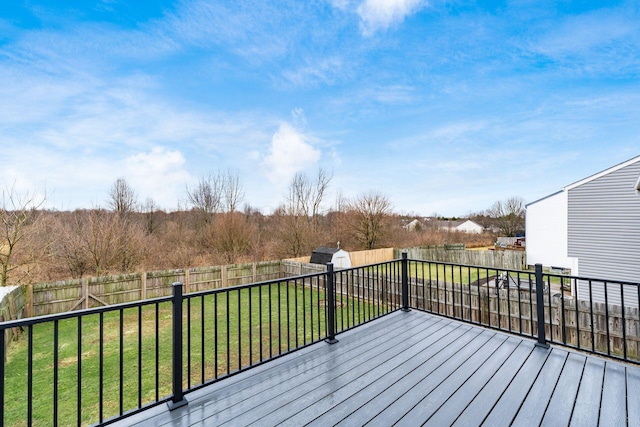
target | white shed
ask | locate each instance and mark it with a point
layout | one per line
(323, 255)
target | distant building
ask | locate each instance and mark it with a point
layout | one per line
(416, 224)
(461, 225)
(469, 226)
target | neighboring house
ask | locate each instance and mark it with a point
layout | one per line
(591, 226)
(339, 257)
(470, 227)
(461, 225)
(413, 225)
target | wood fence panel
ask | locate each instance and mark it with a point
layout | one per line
(56, 297)
(373, 256)
(12, 307)
(203, 278)
(509, 260)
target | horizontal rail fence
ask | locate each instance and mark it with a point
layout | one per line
(512, 260)
(592, 315)
(61, 296)
(98, 365)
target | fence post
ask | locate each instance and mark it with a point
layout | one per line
(405, 282)
(178, 399)
(542, 339)
(331, 305)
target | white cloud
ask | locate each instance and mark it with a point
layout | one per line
(290, 152)
(380, 14)
(325, 71)
(159, 174)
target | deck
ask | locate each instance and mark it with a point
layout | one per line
(412, 368)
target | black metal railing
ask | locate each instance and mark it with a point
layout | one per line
(99, 365)
(593, 315)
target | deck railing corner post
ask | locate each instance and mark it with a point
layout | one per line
(542, 339)
(405, 282)
(177, 399)
(331, 305)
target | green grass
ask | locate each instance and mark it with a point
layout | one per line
(448, 273)
(244, 337)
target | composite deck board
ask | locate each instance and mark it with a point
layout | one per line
(279, 389)
(431, 401)
(344, 372)
(633, 397)
(560, 407)
(331, 408)
(377, 393)
(586, 409)
(475, 411)
(457, 402)
(507, 406)
(413, 368)
(531, 412)
(406, 401)
(391, 395)
(236, 397)
(613, 410)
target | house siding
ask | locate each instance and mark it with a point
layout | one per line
(546, 225)
(604, 227)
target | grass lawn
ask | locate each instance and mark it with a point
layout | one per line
(448, 273)
(222, 333)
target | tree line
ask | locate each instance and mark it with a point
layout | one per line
(214, 227)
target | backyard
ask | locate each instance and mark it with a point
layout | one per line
(223, 332)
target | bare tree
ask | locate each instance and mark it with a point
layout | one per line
(298, 220)
(509, 215)
(19, 219)
(321, 184)
(306, 196)
(122, 197)
(233, 236)
(100, 241)
(150, 211)
(233, 192)
(206, 196)
(69, 249)
(369, 214)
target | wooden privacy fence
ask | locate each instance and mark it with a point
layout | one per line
(510, 260)
(12, 308)
(58, 297)
(359, 258)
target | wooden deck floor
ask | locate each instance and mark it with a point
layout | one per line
(417, 369)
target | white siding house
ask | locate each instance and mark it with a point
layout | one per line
(547, 232)
(470, 227)
(592, 226)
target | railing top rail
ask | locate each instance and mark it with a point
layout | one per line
(79, 313)
(531, 272)
(481, 267)
(593, 279)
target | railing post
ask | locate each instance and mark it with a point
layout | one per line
(178, 399)
(542, 339)
(331, 305)
(405, 282)
(2, 360)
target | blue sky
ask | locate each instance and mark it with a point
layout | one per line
(444, 107)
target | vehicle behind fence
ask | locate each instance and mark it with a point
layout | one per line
(99, 365)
